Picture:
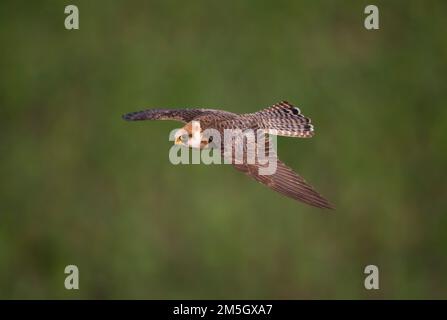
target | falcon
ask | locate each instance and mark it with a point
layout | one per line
(283, 119)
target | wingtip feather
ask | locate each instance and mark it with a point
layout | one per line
(129, 116)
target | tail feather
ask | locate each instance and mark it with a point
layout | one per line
(284, 119)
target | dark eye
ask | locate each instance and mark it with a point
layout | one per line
(210, 139)
(295, 110)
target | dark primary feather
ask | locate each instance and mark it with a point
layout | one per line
(183, 115)
(288, 183)
(284, 180)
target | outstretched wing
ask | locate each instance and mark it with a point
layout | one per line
(286, 119)
(283, 180)
(183, 115)
(288, 183)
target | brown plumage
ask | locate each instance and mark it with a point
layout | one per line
(282, 117)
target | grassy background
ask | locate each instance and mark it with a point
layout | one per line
(81, 186)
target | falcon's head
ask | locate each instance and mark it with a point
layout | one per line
(192, 136)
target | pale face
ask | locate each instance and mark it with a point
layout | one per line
(182, 137)
(191, 136)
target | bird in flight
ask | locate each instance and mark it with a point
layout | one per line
(283, 119)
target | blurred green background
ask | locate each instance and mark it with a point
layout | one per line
(80, 186)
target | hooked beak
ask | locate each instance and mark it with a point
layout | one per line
(178, 141)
